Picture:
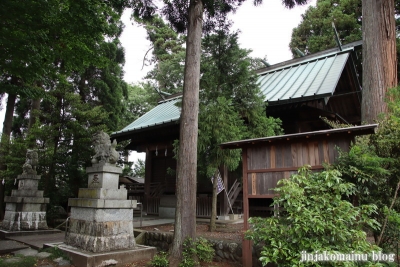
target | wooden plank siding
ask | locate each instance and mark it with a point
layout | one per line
(268, 160)
(269, 164)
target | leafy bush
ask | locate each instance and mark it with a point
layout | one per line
(391, 236)
(200, 249)
(189, 254)
(204, 250)
(315, 219)
(160, 260)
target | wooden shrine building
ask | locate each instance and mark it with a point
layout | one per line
(268, 160)
(299, 92)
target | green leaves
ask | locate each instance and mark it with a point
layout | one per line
(315, 33)
(314, 218)
(231, 106)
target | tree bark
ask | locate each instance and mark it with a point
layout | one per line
(35, 106)
(379, 56)
(5, 139)
(185, 216)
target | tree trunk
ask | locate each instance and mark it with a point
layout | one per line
(9, 115)
(213, 219)
(49, 181)
(379, 56)
(5, 139)
(185, 216)
(35, 106)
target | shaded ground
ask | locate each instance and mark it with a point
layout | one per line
(230, 232)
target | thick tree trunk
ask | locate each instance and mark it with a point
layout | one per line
(5, 139)
(9, 115)
(185, 216)
(379, 56)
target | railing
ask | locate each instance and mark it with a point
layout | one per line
(153, 203)
(233, 194)
(203, 206)
(135, 188)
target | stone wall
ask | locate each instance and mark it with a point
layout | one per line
(224, 250)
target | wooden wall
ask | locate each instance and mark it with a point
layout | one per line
(269, 163)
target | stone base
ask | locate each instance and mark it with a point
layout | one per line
(95, 236)
(24, 221)
(82, 258)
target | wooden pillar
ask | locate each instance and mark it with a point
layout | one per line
(247, 244)
(147, 179)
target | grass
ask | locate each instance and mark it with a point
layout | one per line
(28, 261)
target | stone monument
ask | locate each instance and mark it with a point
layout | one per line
(101, 217)
(26, 207)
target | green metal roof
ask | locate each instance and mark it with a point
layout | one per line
(314, 77)
(300, 79)
(165, 112)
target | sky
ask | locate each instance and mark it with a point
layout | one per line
(265, 29)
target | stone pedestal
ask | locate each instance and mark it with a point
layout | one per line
(101, 217)
(26, 207)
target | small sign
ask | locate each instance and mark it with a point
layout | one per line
(253, 184)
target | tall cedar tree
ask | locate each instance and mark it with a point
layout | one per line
(231, 106)
(379, 56)
(44, 45)
(187, 15)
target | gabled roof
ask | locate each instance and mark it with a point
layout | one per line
(165, 112)
(314, 76)
(309, 77)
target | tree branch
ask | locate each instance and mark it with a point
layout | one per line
(144, 58)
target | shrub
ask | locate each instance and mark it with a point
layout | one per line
(200, 249)
(160, 260)
(204, 250)
(315, 218)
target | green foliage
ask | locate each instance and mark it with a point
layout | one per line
(168, 55)
(139, 168)
(204, 250)
(391, 237)
(231, 105)
(28, 261)
(199, 249)
(141, 98)
(189, 254)
(372, 164)
(67, 55)
(362, 167)
(314, 218)
(55, 253)
(160, 260)
(315, 32)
